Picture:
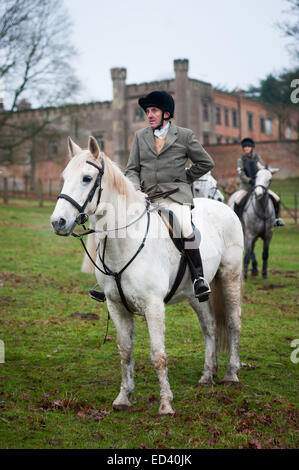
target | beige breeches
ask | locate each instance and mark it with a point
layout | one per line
(242, 193)
(181, 211)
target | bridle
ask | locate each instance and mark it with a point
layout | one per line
(265, 193)
(82, 218)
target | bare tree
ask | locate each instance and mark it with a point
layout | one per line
(35, 67)
(290, 28)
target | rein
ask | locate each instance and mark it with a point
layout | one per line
(106, 270)
(264, 218)
(83, 217)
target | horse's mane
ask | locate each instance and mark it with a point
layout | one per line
(116, 179)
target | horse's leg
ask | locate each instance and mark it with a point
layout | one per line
(155, 316)
(124, 323)
(208, 326)
(231, 290)
(255, 270)
(248, 244)
(266, 256)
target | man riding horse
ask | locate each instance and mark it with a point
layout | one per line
(248, 166)
(157, 164)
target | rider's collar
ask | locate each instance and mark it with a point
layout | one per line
(160, 133)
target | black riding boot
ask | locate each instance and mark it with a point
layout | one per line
(97, 295)
(278, 221)
(239, 207)
(200, 285)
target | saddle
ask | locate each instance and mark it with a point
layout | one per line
(239, 207)
(174, 229)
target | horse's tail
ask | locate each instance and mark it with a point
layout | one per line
(87, 266)
(218, 305)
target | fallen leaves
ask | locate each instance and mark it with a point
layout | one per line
(255, 444)
(84, 316)
(271, 287)
(82, 410)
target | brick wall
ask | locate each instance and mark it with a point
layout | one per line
(283, 155)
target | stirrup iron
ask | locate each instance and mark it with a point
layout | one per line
(201, 289)
(97, 295)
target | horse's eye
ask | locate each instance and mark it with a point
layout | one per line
(87, 179)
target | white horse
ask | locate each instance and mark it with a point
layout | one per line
(257, 219)
(93, 184)
(206, 186)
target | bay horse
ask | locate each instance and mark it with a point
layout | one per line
(139, 253)
(257, 220)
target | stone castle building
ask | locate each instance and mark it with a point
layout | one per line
(216, 117)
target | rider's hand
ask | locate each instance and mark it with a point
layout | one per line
(252, 182)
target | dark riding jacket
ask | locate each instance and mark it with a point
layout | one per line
(154, 172)
(247, 169)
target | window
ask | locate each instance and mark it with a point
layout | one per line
(288, 132)
(269, 126)
(53, 149)
(205, 112)
(262, 125)
(250, 121)
(219, 139)
(218, 114)
(226, 116)
(227, 140)
(139, 114)
(206, 138)
(100, 140)
(234, 118)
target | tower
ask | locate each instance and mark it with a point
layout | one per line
(181, 67)
(119, 116)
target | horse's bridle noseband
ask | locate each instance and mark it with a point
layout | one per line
(83, 217)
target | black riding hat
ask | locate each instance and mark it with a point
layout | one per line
(158, 99)
(248, 142)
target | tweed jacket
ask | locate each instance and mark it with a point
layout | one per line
(245, 178)
(154, 173)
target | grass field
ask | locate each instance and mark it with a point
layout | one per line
(58, 380)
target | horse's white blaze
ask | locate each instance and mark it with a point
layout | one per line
(149, 278)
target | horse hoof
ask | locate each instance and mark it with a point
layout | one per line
(255, 273)
(121, 406)
(209, 382)
(229, 381)
(165, 410)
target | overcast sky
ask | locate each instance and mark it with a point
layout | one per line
(231, 43)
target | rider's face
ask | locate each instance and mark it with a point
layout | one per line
(248, 150)
(154, 116)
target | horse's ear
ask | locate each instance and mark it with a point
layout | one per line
(73, 148)
(273, 170)
(260, 166)
(93, 147)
